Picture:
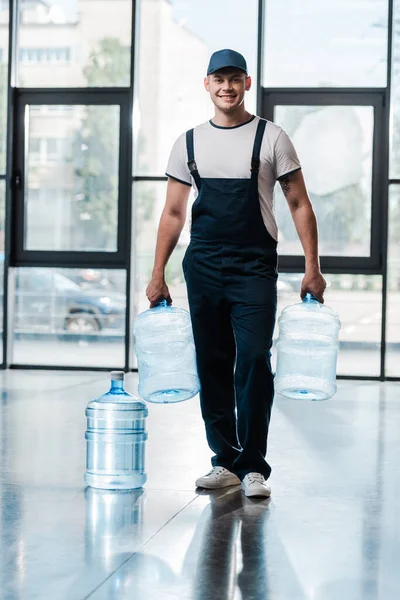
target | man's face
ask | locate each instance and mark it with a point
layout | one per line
(227, 88)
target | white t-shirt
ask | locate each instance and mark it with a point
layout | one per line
(225, 152)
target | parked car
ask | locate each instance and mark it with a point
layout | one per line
(291, 280)
(47, 301)
(104, 279)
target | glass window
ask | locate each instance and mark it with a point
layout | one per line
(358, 301)
(52, 146)
(357, 298)
(34, 147)
(310, 43)
(149, 199)
(44, 55)
(89, 41)
(395, 99)
(172, 66)
(2, 227)
(77, 205)
(335, 148)
(393, 297)
(34, 195)
(4, 25)
(73, 317)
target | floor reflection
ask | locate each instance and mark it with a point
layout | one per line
(109, 513)
(113, 526)
(231, 554)
(225, 559)
(331, 531)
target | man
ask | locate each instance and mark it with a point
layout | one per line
(230, 266)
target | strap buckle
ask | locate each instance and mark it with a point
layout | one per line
(192, 166)
(255, 165)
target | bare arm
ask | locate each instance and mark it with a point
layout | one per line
(170, 227)
(303, 215)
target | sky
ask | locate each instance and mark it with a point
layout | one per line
(222, 24)
(293, 31)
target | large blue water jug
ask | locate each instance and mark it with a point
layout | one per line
(166, 354)
(115, 439)
(307, 350)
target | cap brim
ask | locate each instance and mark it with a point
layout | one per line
(230, 66)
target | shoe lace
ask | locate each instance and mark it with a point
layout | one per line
(255, 478)
(216, 471)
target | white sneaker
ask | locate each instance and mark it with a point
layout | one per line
(254, 484)
(218, 477)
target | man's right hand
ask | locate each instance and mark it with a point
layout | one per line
(157, 290)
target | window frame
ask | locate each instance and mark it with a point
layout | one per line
(376, 98)
(89, 97)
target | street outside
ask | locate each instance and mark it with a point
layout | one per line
(359, 312)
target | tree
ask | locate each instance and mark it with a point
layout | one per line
(96, 151)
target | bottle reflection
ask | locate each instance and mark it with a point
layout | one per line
(113, 533)
(109, 514)
(12, 542)
(231, 552)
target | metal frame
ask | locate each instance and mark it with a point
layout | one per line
(149, 178)
(100, 97)
(11, 79)
(260, 54)
(130, 208)
(18, 367)
(15, 254)
(380, 98)
(340, 97)
(385, 158)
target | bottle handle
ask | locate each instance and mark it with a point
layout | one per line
(310, 298)
(162, 304)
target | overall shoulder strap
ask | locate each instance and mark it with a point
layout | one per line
(191, 160)
(255, 159)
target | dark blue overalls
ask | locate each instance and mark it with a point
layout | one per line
(230, 269)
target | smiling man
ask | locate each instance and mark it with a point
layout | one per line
(230, 266)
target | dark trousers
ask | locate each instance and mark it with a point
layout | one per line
(232, 298)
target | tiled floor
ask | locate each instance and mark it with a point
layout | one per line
(330, 532)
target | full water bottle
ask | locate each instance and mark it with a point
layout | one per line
(166, 355)
(115, 439)
(307, 350)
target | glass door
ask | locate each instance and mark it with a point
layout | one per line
(71, 216)
(338, 137)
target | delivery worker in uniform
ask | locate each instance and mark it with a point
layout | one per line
(230, 266)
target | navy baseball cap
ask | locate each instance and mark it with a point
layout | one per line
(226, 58)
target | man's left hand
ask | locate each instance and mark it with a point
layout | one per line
(313, 283)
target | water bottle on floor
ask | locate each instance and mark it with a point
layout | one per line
(115, 439)
(307, 350)
(166, 355)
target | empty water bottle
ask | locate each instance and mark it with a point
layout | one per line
(307, 350)
(115, 439)
(166, 355)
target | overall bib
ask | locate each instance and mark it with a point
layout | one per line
(230, 270)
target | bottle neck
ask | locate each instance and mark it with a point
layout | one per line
(117, 386)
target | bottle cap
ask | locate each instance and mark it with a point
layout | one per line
(117, 375)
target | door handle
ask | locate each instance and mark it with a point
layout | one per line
(16, 182)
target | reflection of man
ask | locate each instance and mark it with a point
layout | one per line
(228, 551)
(230, 266)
